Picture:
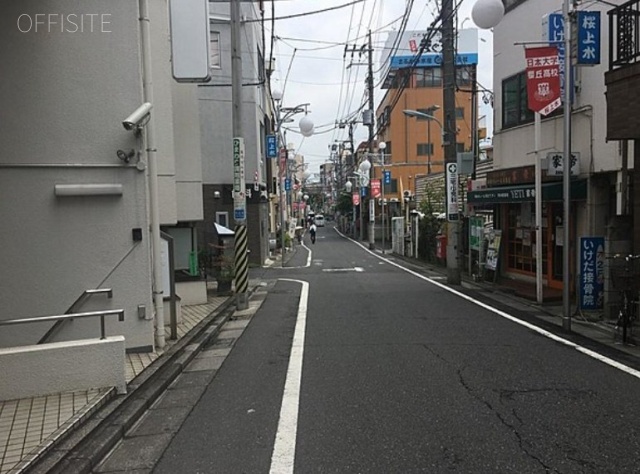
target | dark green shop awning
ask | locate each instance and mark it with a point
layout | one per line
(526, 192)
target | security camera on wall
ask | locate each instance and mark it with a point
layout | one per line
(134, 121)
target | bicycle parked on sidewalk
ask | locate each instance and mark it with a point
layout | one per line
(626, 280)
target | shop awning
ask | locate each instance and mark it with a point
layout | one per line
(526, 192)
(222, 230)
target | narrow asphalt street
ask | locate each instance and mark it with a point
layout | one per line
(353, 364)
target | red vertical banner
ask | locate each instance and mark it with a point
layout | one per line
(376, 190)
(543, 79)
(355, 199)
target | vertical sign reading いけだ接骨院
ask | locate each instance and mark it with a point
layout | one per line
(591, 272)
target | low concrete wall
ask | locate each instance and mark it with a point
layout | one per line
(30, 371)
(192, 292)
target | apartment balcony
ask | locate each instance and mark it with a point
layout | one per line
(622, 80)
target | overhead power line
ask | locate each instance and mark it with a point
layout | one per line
(298, 15)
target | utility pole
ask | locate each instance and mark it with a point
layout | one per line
(371, 121)
(450, 131)
(370, 124)
(368, 120)
(239, 185)
(566, 167)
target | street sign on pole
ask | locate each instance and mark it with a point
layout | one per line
(588, 38)
(239, 193)
(553, 32)
(272, 146)
(452, 192)
(375, 188)
(387, 177)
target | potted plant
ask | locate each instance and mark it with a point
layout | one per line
(225, 273)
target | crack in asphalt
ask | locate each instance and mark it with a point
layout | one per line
(506, 423)
(511, 427)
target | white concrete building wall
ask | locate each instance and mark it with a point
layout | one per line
(163, 110)
(188, 153)
(64, 95)
(514, 147)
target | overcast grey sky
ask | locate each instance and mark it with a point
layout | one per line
(310, 66)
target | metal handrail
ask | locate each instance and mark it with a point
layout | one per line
(62, 317)
(85, 294)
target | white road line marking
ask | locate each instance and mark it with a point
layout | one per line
(284, 449)
(355, 269)
(595, 355)
(308, 264)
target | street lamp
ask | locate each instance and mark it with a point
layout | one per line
(453, 229)
(428, 116)
(283, 114)
(487, 13)
(365, 170)
(348, 186)
(382, 146)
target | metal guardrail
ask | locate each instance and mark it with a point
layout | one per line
(62, 317)
(76, 304)
(624, 34)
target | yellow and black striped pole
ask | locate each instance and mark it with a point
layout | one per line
(242, 263)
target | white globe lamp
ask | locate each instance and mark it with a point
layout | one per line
(347, 186)
(487, 13)
(276, 94)
(306, 126)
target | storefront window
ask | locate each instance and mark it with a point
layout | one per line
(521, 238)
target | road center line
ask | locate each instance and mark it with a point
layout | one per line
(284, 448)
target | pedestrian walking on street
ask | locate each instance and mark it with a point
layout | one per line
(312, 231)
